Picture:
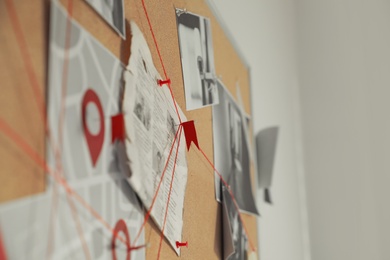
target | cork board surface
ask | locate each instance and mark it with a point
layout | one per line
(20, 177)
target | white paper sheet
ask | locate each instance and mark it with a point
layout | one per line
(151, 123)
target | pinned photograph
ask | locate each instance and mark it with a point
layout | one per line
(234, 237)
(197, 60)
(112, 12)
(231, 151)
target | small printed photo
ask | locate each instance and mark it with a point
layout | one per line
(142, 110)
(112, 12)
(197, 60)
(238, 232)
(158, 163)
(231, 151)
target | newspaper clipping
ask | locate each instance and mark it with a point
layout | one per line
(154, 144)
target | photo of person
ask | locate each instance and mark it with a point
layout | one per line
(231, 151)
(238, 236)
(142, 110)
(197, 60)
(113, 13)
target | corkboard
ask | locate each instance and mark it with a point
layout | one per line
(20, 177)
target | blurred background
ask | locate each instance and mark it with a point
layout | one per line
(321, 72)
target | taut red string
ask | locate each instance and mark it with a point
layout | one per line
(169, 195)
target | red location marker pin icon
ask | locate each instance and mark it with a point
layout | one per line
(120, 227)
(94, 141)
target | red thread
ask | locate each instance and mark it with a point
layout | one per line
(23, 46)
(233, 198)
(163, 82)
(78, 227)
(160, 57)
(64, 80)
(21, 143)
(169, 196)
(158, 188)
(180, 244)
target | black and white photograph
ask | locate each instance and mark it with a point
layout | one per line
(112, 12)
(197, 60)
(142, 109)
(231, 151)
(238, 236)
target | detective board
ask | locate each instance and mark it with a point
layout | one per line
(23, 62)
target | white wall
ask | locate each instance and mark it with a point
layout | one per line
(344, 48)
(265, 32)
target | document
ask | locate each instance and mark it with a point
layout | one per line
(152, 123)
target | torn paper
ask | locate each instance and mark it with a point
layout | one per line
(151, 123)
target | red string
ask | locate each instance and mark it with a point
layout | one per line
(29, 68)
(169, 196)
(34, 156)
(158, 187)
(65, 67)
(160, 57)
(209, 161)
(41, 105)
(233, 198)
(23, 47)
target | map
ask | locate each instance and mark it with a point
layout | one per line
(76, 215)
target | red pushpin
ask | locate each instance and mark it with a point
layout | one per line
(190, 133)
(163, 82)
(94, 141)
(180, 244)
(118, 128)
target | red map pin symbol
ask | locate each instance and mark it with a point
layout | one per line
(94, 141)
(120, 227)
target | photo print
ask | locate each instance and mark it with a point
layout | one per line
(112, 12)
(197, 60)
(235, 238)
(231, 151)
